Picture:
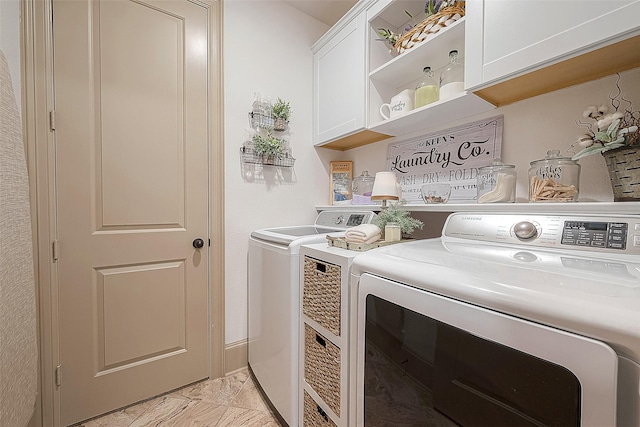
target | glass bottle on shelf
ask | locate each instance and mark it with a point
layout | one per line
(427, 89)
(452, 77)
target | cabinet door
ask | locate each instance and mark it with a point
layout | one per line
(339, 76)
(508, 38)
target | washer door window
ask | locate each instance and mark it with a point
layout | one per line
(433, 361)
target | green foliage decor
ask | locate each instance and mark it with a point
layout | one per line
(396, 213)
(269, 145)
(281, 110)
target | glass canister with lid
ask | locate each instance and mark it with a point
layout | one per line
(361, 189)
(497, 183)
(554, 179)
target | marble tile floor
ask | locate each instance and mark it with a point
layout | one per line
(230, 401)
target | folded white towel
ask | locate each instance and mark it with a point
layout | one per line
(372, 239)
(363, 233)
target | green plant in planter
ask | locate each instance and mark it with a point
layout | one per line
(396, 213)
(281, 110)
(269, 146)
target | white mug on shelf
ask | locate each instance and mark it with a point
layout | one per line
(399, 105)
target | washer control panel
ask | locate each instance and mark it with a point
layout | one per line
(344, 219)
(600, 233)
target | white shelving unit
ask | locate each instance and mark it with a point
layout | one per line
(622, 208)
(324, 361)
(408, 66)
(463, 105)
(402, 72)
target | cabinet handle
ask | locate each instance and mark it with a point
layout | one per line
(322, 413)
(321, 341)
(321, 267)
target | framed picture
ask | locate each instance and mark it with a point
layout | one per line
(340, 182)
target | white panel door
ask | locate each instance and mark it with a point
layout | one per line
(132, 195)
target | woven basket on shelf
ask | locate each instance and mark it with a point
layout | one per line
(430, 25)
(321, 293)
(322, 367)
(314, 416)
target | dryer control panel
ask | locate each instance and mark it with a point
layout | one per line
(597, 233)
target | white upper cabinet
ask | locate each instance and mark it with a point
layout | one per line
(506, 39)
(339, 69)
(339, 79)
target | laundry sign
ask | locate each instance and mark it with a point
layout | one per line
(450, 156)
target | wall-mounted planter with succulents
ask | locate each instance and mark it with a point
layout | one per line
(250, 155)
(281, 111)
(265, 147)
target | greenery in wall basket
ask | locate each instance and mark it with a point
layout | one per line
(396, 213)
(269, 146)
(281, 110)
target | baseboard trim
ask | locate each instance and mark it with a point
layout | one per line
(235, 356)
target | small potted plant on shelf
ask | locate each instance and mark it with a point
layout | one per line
(269, 147)
(397, 214)
(281, 111)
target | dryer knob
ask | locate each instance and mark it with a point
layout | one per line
(339, 219)
(525, 230)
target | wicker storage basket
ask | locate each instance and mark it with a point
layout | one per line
(321, 293)
(624, 172)
(322, 367)
(314, 416)
(430, 25)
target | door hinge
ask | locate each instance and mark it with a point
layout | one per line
(52, 120)
(54, 250)
(58, 375)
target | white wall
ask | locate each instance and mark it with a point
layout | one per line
(10, 40)
(267, 49)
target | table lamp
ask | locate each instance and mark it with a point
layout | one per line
(385, 187)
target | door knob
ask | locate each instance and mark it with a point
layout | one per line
(198, 243)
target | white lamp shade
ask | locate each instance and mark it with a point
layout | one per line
(385, 187)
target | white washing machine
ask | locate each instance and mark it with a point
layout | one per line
(274, 298)
(507, 319)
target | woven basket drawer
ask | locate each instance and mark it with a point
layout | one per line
(321, 293)
(322, 367)
(314, 415)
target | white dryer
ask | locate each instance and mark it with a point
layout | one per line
(274, 298)
(507, 319)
